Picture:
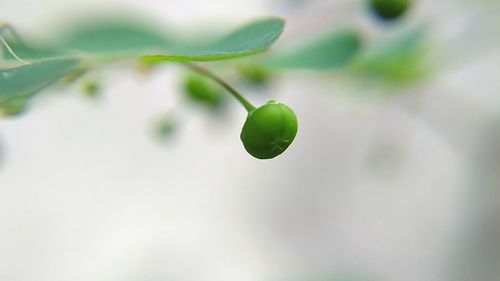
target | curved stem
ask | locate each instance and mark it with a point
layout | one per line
(9, 49)
(3, 27)
(201, 70)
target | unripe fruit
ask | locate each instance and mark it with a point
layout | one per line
(269, 130)
(199, 89)
(389, 9)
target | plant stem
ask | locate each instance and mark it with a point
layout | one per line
(204, 71)
(4, 27)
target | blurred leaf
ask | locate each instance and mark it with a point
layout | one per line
(397, 59)
(19, 84)
(114, 36)
(253, 38)
(331, 51)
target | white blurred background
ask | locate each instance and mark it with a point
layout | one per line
(395, 189)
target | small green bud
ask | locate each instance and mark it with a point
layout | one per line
(255, 74)
(199, 89)
(165, 127)
(269, 130)
(389, 9)
(91, 88)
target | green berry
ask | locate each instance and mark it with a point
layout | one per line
(201, 90)
(390, 9)
(269, 130)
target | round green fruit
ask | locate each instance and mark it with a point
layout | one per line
(390, 9)
(269, 130)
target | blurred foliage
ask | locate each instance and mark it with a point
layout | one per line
(330, 51)
(397, 59)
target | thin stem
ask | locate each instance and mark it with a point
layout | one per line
(248, 106)
(9, 49)
(3, 27)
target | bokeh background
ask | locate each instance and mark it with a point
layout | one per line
(383, 182)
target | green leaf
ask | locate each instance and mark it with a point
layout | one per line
(19, 84)
(331, 51)
(253, 38)
(114, 36)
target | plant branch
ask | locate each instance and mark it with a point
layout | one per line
(204, 71)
